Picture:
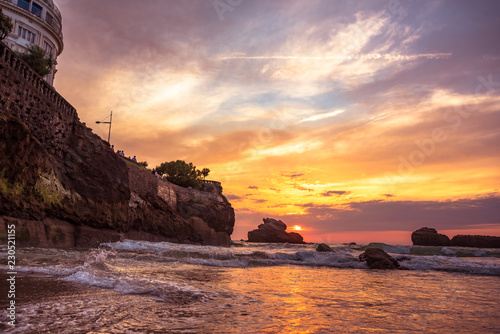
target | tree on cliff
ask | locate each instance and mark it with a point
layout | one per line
(205, 172)
(181, 173)
(5, 25)
(38, 60)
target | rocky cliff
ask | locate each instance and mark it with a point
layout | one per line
(64, 186)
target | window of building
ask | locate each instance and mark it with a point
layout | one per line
(49, 19)
(36, 9)
(27, 35)
(24, 4)
(48, 48)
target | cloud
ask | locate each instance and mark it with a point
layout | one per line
(406, 215)
(232, 197)
(260, 201)
(335, 193)
(299, 98)
(253, 187)
(293, 175)
(323, 116)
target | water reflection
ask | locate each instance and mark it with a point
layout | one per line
(164, 297)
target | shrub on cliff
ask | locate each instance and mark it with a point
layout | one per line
(182, 174)
(5, 25)
(38, 60)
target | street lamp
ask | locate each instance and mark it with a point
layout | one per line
(110, 120)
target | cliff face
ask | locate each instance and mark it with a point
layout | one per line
(63, 186)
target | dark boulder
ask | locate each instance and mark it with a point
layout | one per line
(429, 237)
(323, 248)
(478, 241)
(377, 258)
(274, 231)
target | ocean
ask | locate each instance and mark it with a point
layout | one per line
(145, 287)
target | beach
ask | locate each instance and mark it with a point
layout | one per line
(142, 287)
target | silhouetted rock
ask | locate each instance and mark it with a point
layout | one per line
(377, 258)
(323, 248)
(274, 231)
(478, 241)
(429, 237)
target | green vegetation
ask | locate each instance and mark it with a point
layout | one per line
(205, 172)
(47, 196)
(142, 165)
(38, 60)
(10, 190)
(182, 174)
(5, 25)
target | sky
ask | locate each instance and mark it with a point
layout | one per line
(359, 120)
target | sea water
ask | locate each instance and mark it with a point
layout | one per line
(144, 287)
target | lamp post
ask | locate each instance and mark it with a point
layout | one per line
(110, 120)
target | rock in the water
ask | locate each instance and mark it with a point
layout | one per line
(479, 241)
(378, 259)
(429, 237)
(323, 248)
(274, 231)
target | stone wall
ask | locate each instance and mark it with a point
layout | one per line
(25, 95)
(142, 183)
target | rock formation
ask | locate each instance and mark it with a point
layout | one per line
(377, 258)
(274, 231)
(479, 241)
(64, 186)
(429, 237)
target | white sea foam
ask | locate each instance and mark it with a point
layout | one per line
(125, 284)
(453, 259)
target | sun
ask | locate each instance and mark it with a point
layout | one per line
(297, 228)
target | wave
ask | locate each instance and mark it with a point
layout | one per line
(243, 255)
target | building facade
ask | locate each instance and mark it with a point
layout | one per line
(36, 22)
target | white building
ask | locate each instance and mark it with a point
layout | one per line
(36, 22)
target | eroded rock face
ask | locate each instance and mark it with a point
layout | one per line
(478, 241)
(429, 237)
(377, 258)
(274, 231)
(55, 174)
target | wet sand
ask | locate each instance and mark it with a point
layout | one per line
(36, 288)
(45, 304)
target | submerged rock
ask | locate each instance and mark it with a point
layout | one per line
(274, 231)
(377, 258)
(478, 241)
(323, 248)
(429, 237)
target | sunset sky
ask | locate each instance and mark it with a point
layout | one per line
(357, 120)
